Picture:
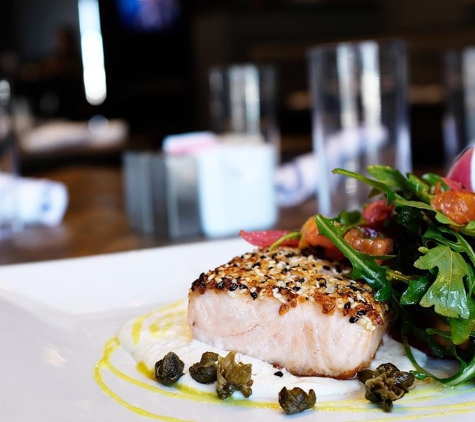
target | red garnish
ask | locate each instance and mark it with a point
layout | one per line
(267, 238)
(461, 169)
(454, 185)
(376, 213)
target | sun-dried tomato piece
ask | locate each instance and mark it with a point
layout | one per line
(311, 237)
(377, 213)
(459, 206)
(356, 238)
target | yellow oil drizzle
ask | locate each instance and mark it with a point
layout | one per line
(109, 348)
(198, 395)
(160, 328)
(143, 369)
(137, 327)
(138, 323)
(163, 324)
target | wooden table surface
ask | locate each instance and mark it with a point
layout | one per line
(96, 221)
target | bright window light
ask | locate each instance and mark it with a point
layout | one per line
(92, 51)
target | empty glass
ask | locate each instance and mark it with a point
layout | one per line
(359, 116)
(243, 103)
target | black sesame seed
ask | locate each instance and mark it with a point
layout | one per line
(338, 268)
(233, 287)
(296, 288)
(279, 374)
(257, 264)
(254, 295)
(326, 267)
(361, 312)
(347, 305)
(354, 319)
(220, 285)
(243, 287)
(196, 284)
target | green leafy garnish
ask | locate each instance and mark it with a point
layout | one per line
(446, 293)
(430, 278)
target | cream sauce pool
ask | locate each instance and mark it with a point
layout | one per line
(150, 337)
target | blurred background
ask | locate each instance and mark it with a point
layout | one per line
(92, 79)
(157, 54)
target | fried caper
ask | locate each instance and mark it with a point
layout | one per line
(296, 400)
(386, 384)
(169, 369)
(205, 371)
(233, 376)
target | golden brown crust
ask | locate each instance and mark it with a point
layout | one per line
(292, 277)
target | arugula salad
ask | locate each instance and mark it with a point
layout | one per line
(429, 277)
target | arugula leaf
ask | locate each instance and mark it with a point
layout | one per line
(349, 218)
(413, 204)
(389, 176)
(462, 329)
(432, 179)
(447, 293)
(415, 291)
(460, 244)
(291, 235)
(468, 229)
(379, 186)
(419, 188)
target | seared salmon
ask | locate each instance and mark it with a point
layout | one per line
(291, 309)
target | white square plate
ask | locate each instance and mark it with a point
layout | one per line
(57, 316)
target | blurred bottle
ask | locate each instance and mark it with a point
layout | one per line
(10, 221)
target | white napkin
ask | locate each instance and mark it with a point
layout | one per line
(39, 201)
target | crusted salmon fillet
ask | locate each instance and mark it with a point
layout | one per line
(290, 309)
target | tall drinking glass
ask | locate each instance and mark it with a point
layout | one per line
(243, 99)
(359, 116)
(237, 188)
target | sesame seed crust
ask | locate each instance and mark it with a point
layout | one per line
(292, 276)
